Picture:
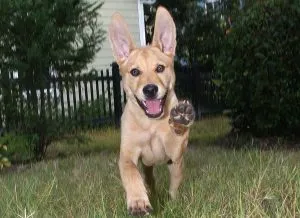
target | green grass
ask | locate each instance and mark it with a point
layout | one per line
(80, 179)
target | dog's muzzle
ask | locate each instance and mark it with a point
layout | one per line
(153, 107)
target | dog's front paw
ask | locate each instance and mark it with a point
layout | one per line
(139, 207)
(182, 115)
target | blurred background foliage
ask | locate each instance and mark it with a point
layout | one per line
(249, 50)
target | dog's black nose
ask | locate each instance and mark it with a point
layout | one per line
(150, 90)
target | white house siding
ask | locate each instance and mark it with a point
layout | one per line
(129, 9)
(104, 58)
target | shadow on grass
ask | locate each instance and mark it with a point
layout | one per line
(235, 140)
(217, 131)
(87, 143)
(158, 201)
(213, 131)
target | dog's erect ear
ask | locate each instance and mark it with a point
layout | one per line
(164, 36)
(120, 38)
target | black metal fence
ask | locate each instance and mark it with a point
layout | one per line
(96, 98)
(90, 99)
(196, 84)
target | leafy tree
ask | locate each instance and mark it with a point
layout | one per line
(40, 39)
(200, 29)
(260, 71)
(201, 26)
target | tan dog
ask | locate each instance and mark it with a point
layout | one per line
(154, 126)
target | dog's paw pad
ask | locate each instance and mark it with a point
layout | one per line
(139, 208)
(183, 113)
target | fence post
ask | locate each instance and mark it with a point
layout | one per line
(117, 93)
(195, 74)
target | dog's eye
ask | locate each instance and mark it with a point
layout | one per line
(135, 72)
(160, 68)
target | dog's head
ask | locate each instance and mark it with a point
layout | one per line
(147, 73)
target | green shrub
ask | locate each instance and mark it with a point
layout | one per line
(4, 161)
(64, 37)
(19, 146)
(89, 113)
(29, 137)
(260, 68)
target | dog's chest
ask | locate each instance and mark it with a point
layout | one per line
(153, 151)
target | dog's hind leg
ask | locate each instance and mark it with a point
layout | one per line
(136, 194)
(149, 178)
(176, 176)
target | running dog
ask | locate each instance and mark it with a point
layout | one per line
(154, 124)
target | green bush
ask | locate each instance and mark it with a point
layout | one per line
(64, 37)
(89, 113)
(30, 136)
(39, 131)
(260, 68)
(18, 147)
(4, 161)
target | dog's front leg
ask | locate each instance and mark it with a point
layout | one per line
(182, 117)
(176, 176)
(136, 193)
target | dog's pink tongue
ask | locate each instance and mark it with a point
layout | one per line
(153, 106)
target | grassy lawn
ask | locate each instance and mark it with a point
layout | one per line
(80, 178)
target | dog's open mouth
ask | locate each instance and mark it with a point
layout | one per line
(153, 108)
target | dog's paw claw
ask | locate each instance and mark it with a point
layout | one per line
(183, 113)
(139, 208)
